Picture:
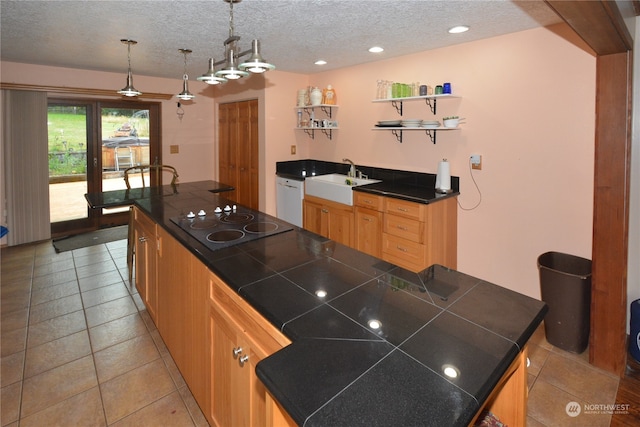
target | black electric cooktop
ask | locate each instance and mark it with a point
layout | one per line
(226, 226)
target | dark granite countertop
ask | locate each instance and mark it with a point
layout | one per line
(343, 369)
(126, 197)
(412, 186)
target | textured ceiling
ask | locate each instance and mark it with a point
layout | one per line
(293, 33)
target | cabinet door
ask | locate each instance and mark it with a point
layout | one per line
(313, 218)
(339, 224)
(144, 234)
(368, 234)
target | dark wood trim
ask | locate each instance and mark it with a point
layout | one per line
(599, 23)
(79, 91)
(611, 212)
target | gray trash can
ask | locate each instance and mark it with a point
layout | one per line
(565, 285)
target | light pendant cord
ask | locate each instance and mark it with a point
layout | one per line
(477, 188)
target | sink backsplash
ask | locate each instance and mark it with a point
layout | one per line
(299, 169)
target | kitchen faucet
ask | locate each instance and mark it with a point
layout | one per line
(352, 169)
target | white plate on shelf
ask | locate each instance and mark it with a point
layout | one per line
(390, 122)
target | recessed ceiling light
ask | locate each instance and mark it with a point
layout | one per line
(321, 62)
(376, 49)
(458, 29)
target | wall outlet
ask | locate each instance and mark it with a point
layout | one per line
(476, 161)
(293, 149)
(174, 149)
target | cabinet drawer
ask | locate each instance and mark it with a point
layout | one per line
(402, 251)
(367, 200)
(406, 228)
(407, 209)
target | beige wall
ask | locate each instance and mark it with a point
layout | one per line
(528, 100)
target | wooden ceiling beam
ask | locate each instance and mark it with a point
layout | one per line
(599, 23)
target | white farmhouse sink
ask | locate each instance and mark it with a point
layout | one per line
(334, 187)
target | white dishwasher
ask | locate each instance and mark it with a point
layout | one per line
(289, 195)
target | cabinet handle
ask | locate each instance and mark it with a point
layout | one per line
(142, 239)
(368, 202)
(403, 210)
(400, 227)
(236, 352)
(367, 219)
(325, 211)
(243, 360)
(400, 248)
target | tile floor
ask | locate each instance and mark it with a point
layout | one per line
(79, 349)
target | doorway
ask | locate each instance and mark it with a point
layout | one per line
(238, 162)
(90, 145)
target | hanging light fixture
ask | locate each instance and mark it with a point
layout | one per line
(232, 71)
(129, 90)
(185, 94)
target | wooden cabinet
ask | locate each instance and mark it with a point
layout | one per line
(239, 338)
(416, 235)
(368, 223)
(238, 151)
(329, 219)
(182, 306)
(146, 250)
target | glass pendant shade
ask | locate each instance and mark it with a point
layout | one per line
(231, 71)
(255, 63)
(210, 76)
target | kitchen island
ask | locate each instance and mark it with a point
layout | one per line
(370, 343)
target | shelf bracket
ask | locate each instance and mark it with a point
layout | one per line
(310, 132)
(431, 135)
(327, 111)
(398, 106)
(327, 132)
(431, 106)
(398, 134)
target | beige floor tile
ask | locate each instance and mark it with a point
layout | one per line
(53, 279)
(55, 308)
(43, 259)
(168, 411)
(13, 342)
(178, 380)
(90, 259)
(531, 422)
(134, 390)
(56, 385)
(193, 408)
(109, 311)
(10, 403)
(95, 269)
(83, 409)
(56, 353)
(12, 320)
(53, 267)
(116, 331)
(11, 368)
(104, 294)
(14, 300)
(55, 328)
(124, 357)
(548, 405)
(100, 280)
(537, 357)
(579, 379)
(54, 292)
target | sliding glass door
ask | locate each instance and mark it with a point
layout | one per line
(91, 143)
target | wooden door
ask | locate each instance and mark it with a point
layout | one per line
(238, 151)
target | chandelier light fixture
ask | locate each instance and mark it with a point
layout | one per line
(185, 94)
(129, 90)
(231, 70)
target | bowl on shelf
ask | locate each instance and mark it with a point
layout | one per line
(450, 122)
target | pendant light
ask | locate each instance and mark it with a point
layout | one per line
(210, 76)
(129, 90)
(232, 71)
(185, 94)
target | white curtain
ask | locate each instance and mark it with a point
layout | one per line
(26, 166)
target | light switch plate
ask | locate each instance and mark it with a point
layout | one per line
(293, 149)
(174, 149)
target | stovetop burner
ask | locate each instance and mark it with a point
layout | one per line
(217, 228)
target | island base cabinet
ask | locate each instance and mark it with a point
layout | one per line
(239, 338)
(146, 250)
